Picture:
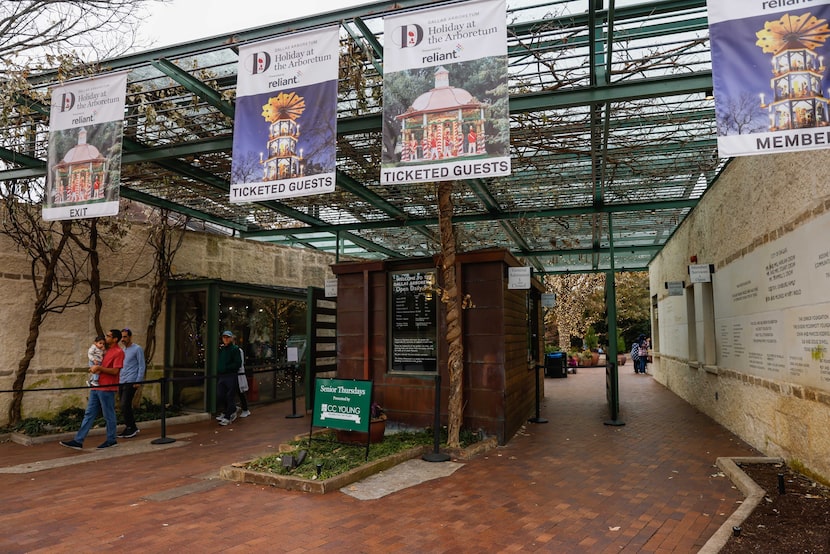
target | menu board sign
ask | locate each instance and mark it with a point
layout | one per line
(414, 321)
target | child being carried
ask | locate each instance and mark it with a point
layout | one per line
(95, 354)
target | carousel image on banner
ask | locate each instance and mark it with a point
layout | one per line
(86, 128)
(769, 75)
(285, 127)
(445, 97)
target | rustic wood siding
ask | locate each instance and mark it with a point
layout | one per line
(499, 391)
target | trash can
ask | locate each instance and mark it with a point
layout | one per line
(556, 365)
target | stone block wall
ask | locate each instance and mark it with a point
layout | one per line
(756, 200)
(60, 358)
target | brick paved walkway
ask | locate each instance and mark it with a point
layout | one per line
(571, 485)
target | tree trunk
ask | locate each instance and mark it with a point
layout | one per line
(95, 275)
(452, 301)
(38, 313)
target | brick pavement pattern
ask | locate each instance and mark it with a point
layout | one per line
(571, 485)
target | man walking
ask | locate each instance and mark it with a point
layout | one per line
(102, 398)
(227, 366)
(132, 374)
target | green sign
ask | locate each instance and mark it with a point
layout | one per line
(343, 404)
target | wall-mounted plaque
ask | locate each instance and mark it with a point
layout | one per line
(518, 278)
(675, 288)
(700, 273)
(331, 288)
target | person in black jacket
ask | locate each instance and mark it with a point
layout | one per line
(227, 366)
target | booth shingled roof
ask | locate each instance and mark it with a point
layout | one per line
(613, 139)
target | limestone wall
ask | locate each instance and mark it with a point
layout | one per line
(60, 358)
(758, 203)
(245, 261)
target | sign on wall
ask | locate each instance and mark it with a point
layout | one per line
(769, 75)
(414, 332)
(548, 300)
(86, 129)
(445, 94)
(675, 288)
(772, 308)
(518, 278)
(284, 132)
(331, 288)
(700, 273)
(343, 404)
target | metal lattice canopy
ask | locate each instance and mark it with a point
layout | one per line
(613, 139)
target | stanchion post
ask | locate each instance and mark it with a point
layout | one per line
(164, 439)
(538, 419)
(294, 414)
(436, 455)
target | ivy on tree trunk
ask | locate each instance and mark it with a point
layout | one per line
(452, 301)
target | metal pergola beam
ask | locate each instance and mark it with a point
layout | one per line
(585, 137)
(613, 92)
(163, 204)
(477, 218)
(194, 85)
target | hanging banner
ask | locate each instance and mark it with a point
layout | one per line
(284, 132)
(445, 94)
(86, 128)
(769, 75)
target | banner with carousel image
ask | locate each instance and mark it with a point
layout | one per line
(284, 133)
(445, 94)
(769, 75)
(86, 129)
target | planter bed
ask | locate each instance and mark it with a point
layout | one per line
(239, 473)
(28, 440)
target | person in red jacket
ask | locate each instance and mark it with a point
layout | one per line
(102, 397)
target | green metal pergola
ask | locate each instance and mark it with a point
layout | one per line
(613, 139)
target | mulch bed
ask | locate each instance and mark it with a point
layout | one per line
(797, 521)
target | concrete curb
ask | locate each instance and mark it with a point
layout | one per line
(751, 491)
(288, 482)
(26, 440)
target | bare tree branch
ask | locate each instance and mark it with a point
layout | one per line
(93, 29)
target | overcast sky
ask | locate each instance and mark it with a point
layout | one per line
(184, 20)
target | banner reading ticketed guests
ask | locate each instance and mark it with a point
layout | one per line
(769, 74)
(284, 133)
(86, 128)
(445, 98)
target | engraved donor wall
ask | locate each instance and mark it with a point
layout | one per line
(772, 309)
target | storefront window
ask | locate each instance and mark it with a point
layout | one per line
(264, 328)
(188, 316)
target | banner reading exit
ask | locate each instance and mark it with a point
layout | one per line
(86, 128)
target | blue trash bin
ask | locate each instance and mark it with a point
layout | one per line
(556, 365)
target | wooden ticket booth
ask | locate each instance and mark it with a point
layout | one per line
(391, 329)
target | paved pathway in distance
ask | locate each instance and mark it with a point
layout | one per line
(571, 485)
